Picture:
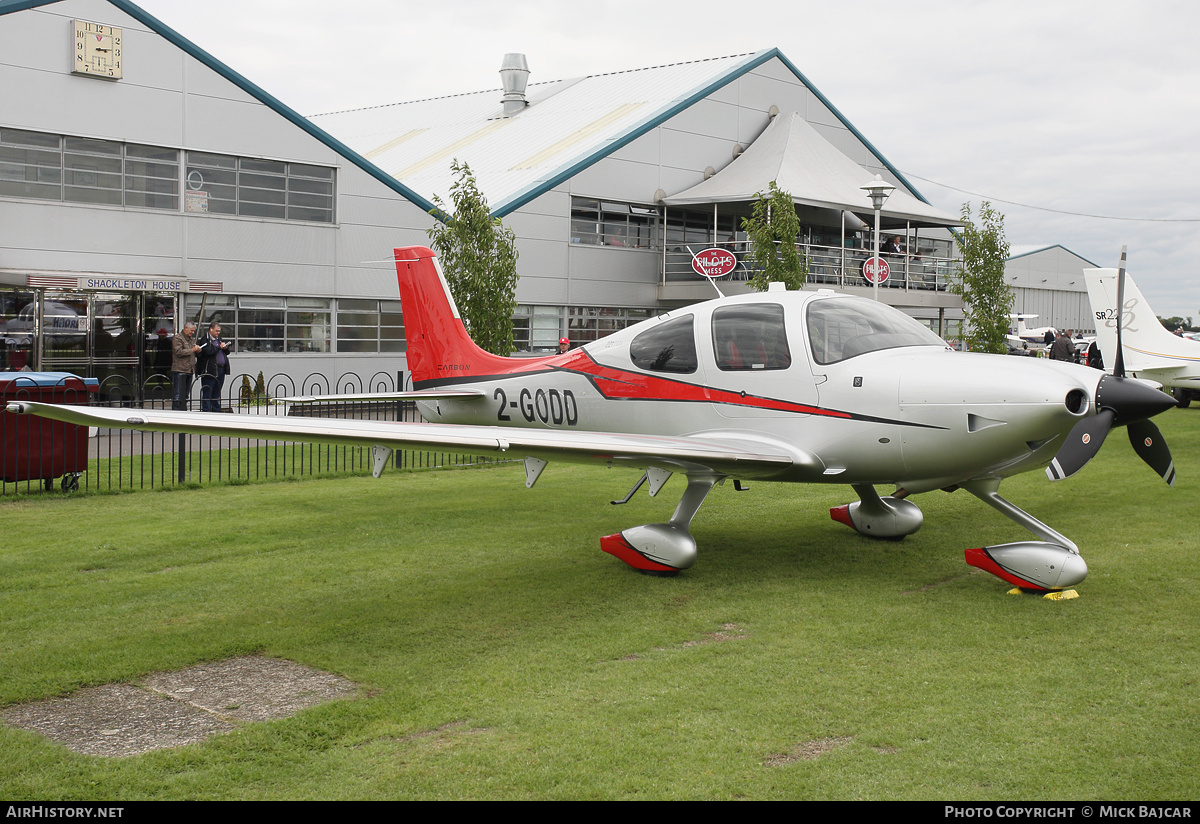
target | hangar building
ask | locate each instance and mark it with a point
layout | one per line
(1048, 282)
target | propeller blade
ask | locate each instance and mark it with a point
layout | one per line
(1081, 445)
(1151, 447)
(1119, 363)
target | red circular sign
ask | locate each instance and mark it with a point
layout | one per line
(876, 270)
(713, 263)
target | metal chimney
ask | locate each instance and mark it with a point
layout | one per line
(514, 72)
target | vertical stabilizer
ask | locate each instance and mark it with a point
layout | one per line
(1147, 345)
(439, 348)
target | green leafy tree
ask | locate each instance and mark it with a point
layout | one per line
(772, 228)
(1175, 322)
(479, 259)
(979, 280)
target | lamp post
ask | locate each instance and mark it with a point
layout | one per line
(878, 190)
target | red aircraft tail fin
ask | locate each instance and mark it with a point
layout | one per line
(438, 344)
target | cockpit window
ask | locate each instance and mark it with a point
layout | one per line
(840, 329)
(669, 346)
(750, 336)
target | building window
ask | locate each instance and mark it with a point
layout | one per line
(30, 165)
(370, 326)
(259, 323)
(81, 170)
(223, 184)
(604, 223)
(696, 228)
(538, 328)
(589, 323)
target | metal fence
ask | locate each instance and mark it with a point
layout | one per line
(37, 454)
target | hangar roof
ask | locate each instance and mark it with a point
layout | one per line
(1017, 251)
(567, 126)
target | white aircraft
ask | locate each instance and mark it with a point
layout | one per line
(802, 387)
(1148, 350)
(1030, 335)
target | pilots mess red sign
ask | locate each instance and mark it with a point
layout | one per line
(713, 263)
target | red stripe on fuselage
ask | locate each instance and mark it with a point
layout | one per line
(622, 384)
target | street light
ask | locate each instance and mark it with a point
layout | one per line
(878, 190)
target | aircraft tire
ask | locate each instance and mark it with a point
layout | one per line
(1182, 399)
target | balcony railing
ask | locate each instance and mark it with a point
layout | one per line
(828, 266)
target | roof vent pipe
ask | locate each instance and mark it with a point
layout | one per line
(514, 72)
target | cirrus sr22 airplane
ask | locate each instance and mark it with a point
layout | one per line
(800, 387)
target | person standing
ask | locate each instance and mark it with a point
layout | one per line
(564, 346)
(1063, 348)
(212, 365)
(183, 365)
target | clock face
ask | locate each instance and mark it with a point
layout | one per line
(97, 50)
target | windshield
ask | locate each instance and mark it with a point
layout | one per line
(842, 328)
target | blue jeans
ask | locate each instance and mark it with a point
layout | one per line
(210, 392)
(181, 384)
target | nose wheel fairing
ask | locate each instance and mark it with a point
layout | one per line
(877, 517)
(1050, 564)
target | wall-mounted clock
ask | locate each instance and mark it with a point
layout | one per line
(97, 50)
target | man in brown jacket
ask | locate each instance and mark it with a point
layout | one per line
(183, 364)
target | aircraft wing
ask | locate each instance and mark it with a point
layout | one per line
(722, 454)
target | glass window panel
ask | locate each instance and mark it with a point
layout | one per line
(254, 181)
(316, 187)
(354, 305)
(158, 153)
(201, 177)
(308, 331)
(261, 302)
(750, 336)
(157, 185)
(357, 345)
(20, 137)
(165, 171)
(669, 346)
(36, 191)
(260, 210)
(318, 172)
(211, 160)
(150, 200)
(271, 167)
(313, 215)
(77, 194)
(309, 303)
(83, 145)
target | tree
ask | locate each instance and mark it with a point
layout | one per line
(979, 280)
(773, 227)
(479, 259)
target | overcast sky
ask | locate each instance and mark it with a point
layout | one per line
(1080, 121)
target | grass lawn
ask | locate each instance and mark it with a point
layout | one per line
(500, 654)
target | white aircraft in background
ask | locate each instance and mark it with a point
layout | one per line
(800, 387)
(1148, 350)
(1030, 335)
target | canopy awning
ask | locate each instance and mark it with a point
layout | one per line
(809, 167)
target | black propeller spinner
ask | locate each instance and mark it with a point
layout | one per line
(1120, 401)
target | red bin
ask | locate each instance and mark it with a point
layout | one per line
(33, 448)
